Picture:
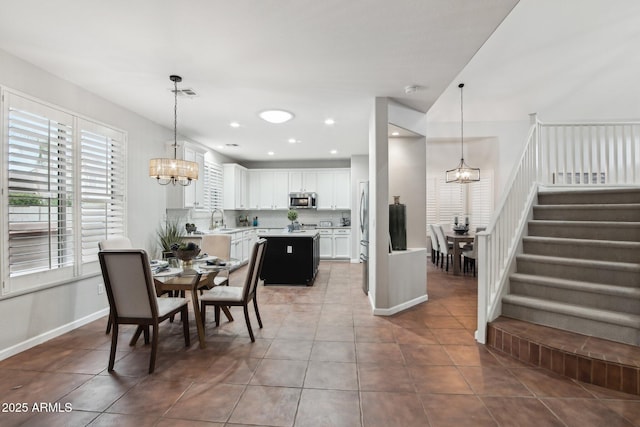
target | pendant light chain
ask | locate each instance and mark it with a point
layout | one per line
(461, 85)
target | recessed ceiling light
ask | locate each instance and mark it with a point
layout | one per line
(334, 151)
(220, 147)
(276, 116)
(395, 133)
(293, 141)
(271, 153)
(234, 124)
(329, 121)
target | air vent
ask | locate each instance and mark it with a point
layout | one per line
(185, 92)
(232, 145)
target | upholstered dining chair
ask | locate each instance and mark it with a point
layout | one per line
(444, 245)
(133, 300)
(226, 296)
(218, 245)
(119, 242)
(469, 256)
(435, 249)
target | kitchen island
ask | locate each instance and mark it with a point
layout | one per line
(291, 258)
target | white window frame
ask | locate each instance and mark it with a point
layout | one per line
(29, 282)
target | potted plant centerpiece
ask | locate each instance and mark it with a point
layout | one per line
(292, 215)
(168, 234)
(185, 252)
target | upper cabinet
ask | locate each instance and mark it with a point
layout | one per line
(303, 181)
(334, 189)
(236, 194)
(190, 196)
(268, 189)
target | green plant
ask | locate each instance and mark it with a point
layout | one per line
(25, 199)
(168, 234)
(292, 215)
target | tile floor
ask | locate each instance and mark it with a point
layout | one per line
(321, 360)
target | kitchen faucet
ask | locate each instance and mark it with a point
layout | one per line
(213, 224)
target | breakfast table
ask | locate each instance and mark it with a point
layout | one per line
(456, 239)
(192, 279)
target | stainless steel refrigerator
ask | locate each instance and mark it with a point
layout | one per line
(363, 188)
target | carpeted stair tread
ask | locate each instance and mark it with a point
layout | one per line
(587, 263)
(597, 288)
(605, 316)
(630, 245)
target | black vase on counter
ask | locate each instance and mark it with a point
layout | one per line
(398, 225)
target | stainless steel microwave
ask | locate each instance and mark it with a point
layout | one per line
(302, 200)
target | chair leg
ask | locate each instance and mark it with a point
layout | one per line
(184, 315)
(136, 335)
(217, 315)
(146, 334)
(154, 348)
(203, 312)
(255, 305)
(447, 269)
(246, 318)
(108, 324)
(114, 344)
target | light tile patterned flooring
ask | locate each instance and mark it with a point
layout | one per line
(321, 360)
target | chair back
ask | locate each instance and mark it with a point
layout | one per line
(434, 238)
(129, 283)
(218, 245)
(119, 242)
(255, 267)
(442, 240)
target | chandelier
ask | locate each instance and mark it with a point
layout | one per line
(174, 171)
(463, 173)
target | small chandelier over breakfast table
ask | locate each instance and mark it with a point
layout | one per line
(174, 171)
(463, 173)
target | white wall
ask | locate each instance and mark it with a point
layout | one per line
(29, 319)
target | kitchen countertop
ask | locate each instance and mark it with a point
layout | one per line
(282, 233)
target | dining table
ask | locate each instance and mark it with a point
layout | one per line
(192, 279)
(457, 239)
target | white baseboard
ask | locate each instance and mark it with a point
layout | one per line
(400, 307)
(32, 342)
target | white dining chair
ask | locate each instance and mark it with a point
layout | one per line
(435, 249)
(444, 245)
(218, 245)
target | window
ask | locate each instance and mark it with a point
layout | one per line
(446, 201)
(213, 185)
(63, 189)
(102, 186)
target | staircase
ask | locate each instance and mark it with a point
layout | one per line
(580, 266)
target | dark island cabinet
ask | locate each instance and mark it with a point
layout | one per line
(291, 258)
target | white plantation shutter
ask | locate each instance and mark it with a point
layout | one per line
(213, 185)
(446, 201)
(481, 204)
(64, 190)
(40, 191)
(102, 187)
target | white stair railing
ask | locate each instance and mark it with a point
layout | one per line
(556, 154)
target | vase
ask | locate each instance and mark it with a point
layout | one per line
(398, 225)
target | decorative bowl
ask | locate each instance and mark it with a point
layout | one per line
(461, 229)
(186, 254)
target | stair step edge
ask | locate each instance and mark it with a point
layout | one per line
(591, 224)
(589, 206)
(605, 316)
(597, 288)
(625, 244)
(605, 265)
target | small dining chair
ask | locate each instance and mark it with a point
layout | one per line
(133, 300)
(226, 296)
(218, 245)
(118, 242)
(435, 249)
(446, 248)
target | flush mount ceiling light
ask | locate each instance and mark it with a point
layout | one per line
(395, 133)
(463, 173)
(276, 116)
(334, 151)
(234, 124)
(173, 171)
(329, 122)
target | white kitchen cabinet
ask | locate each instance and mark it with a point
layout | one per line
(303, 181)
(335, 243)
(341, 243)
(268, 189)
(235, 187)
(190, 196)
(334, 189)
(326, 242)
